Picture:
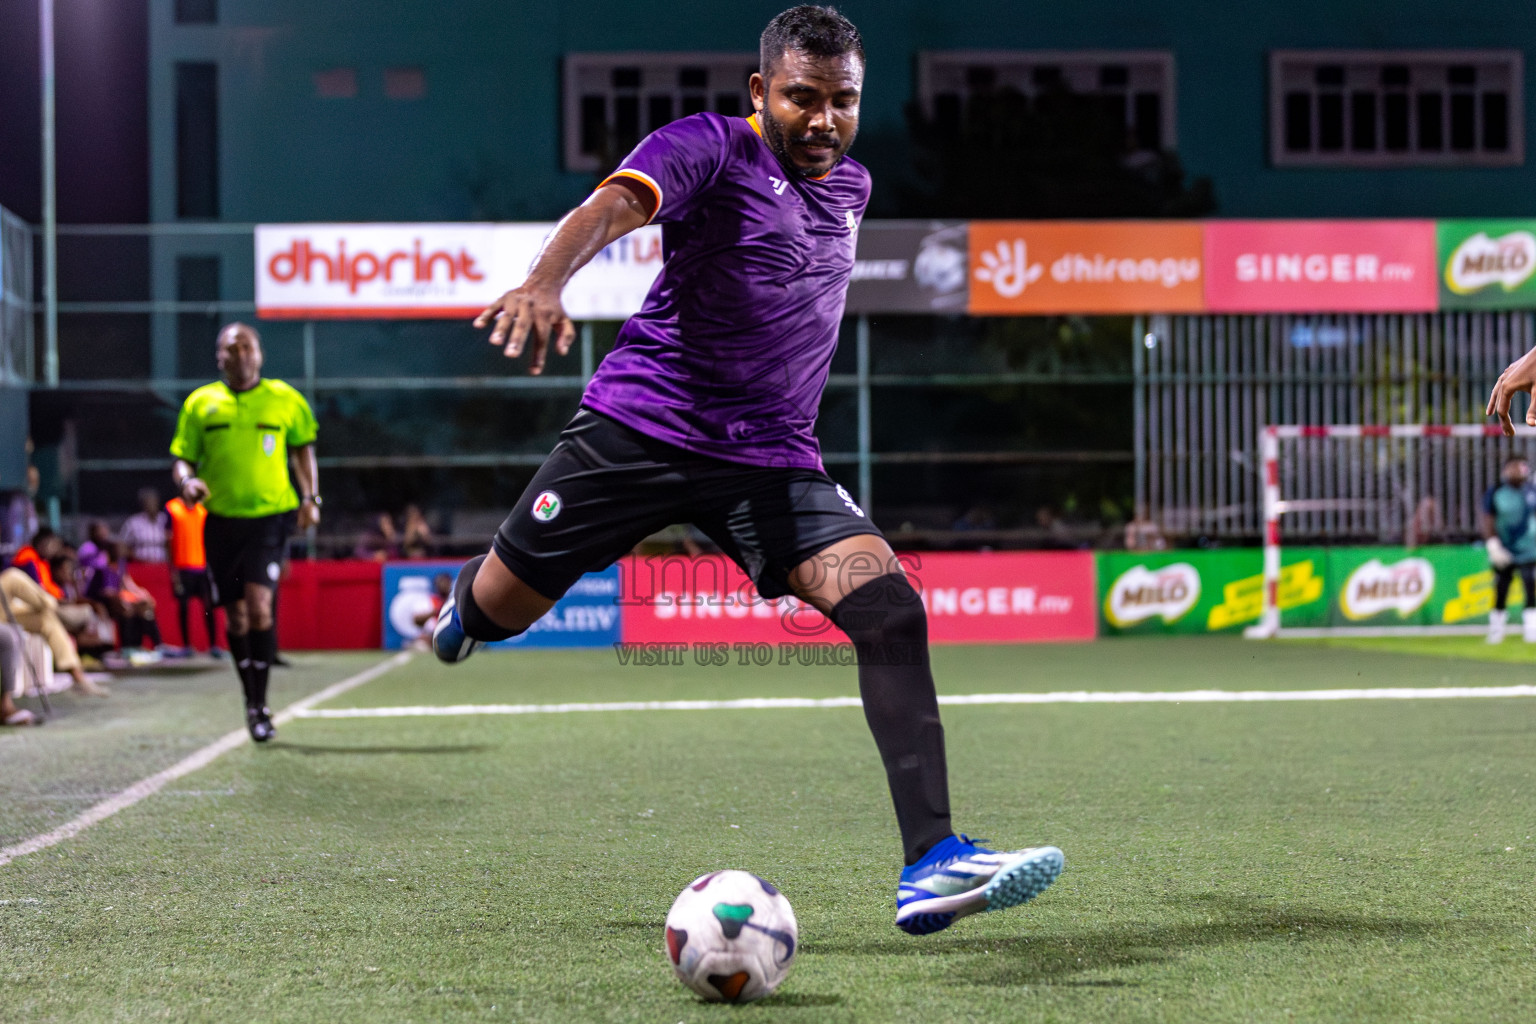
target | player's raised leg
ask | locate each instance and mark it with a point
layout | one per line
(488, 603)
(859, 585)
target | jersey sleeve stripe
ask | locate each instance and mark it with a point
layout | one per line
(644, 179)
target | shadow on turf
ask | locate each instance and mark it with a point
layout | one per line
(311, 749)
(1053, 958)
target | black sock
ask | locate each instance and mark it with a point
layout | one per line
(263, 650)
(477, 624)
(152, 631)
(885, 620)
(240, 654)
(181, 619)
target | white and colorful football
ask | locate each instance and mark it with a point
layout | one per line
(731, 937)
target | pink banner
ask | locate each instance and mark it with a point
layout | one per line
(1335, 266)
(1003, 597)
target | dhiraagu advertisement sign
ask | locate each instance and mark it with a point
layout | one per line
(1487, 264)
(1204, 591)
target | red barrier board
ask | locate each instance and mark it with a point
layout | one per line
(1002, 597)
(1332, 266)
(347, 591)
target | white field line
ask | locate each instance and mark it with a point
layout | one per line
(223, 745)
(1069, 697)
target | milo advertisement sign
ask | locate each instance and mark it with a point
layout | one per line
(1435, 586)
(1204, 591)
(1487, 264)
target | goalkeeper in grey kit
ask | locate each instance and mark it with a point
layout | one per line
(1508, 524)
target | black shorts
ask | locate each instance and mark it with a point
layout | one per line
(242, 551)
(194, 583)
(606, 487)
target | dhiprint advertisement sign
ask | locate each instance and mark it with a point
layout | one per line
(433, 271)
(1001, 597)
(1037, 267)
(910, 267)
(1320, 266)
(587, 616)
(1487, 264)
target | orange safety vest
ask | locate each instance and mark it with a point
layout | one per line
(29, 556)
(187, 534)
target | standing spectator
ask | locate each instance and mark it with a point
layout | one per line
(237, 441)
(416, 540)
(143, 533)
(37, 611)
(18, 516)
(189, 568)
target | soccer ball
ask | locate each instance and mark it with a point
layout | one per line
(731, 937)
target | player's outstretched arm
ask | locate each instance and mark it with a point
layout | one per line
(1520, 375)
(534, 308)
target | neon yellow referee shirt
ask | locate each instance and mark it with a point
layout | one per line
(239, 441)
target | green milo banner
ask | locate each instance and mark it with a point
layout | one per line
(1487, 264)
(1222, 591)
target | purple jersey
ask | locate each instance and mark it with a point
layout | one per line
(729, 355)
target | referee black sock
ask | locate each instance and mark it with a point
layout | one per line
(477, 624)
(240, 654)
(885, 620)
(263, 650)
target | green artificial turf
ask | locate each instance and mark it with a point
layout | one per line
(1343, 861)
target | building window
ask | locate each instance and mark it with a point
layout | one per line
(1377, 108)
(405, 83)
(197, 280)
(613, 100)
(1136, 87)
(197, 12)
(336, 84)
(197, 139)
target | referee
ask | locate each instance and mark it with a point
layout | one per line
(236, 442)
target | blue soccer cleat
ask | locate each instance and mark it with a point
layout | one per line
(958, 878)
(449, 641)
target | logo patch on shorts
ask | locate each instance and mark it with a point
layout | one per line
(842, 492)
(546, 506)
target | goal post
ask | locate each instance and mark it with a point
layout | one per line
(1381, 496)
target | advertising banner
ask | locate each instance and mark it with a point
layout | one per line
(1431, 586)
(1205, 591)
(1487, 264)
(1035, 267)
(436, 271)
(1004, 597)
(910, 267)
(587, 616)
(1331, 266)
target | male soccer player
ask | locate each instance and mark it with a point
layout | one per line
(236, 442)
(1508, 523)
(704, 412)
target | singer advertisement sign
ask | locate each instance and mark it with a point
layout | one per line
(433, 271)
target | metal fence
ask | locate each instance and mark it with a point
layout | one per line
(17, 351)
(1205, 385)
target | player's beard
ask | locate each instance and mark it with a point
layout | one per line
(777, 135)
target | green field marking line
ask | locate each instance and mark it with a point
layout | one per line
(202, 758)
(1066, 697)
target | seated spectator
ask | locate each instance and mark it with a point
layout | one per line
(416, 539)
(36, 558)
(381, 543)
(442, 586)
(37, 611)
(129, 605)
(143, 533)
(10, 665)
(95, 552)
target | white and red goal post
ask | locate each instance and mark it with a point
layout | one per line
(1275, 504)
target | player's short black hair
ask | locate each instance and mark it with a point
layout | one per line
(808, 29)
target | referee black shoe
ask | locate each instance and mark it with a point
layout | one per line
(258, 719)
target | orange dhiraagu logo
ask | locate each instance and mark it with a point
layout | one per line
(1086, 267)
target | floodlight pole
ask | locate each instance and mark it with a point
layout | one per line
(50, 206)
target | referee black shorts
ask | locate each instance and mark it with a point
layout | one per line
(242, 551)
(606, 487)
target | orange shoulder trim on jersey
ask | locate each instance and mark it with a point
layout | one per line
(644, 179)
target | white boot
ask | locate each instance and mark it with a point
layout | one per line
(1528, 621)
(1496, 626)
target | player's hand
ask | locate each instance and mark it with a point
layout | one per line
(529, 313)
(309, 515)
(1520, 375)
(194, 490)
